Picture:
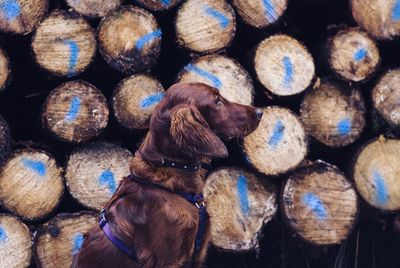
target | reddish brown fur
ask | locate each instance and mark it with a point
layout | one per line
(160, 225)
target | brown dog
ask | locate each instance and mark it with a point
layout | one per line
(158, 224)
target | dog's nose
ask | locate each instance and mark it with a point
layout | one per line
(259, 113)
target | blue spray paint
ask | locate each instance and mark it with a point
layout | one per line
(270, 12)
(344, 127)
(381, 192)
(242, 193)
(11, 9)
(74, 108)
(360, 54)
(313, 202)
(396, 11)
(222, 19)
(77, 243)
(277, 134)
(288, 66)
(36, 166)
(3, 235)
(73, 56)
(107, 179)
(147, 38)
(151, 100)
(165, 2)
(214, 79)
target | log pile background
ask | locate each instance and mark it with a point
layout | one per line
(368, 225)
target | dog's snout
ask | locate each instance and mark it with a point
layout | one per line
(259, 113)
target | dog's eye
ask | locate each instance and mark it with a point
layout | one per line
(218, 101)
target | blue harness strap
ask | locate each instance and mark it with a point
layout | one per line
(195, 199)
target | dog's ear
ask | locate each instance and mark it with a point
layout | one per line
(192, 134)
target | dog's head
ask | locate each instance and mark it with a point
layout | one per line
(193, 117)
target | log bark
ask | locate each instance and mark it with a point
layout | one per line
(240, 204)
(57, 240)
(94, 171)
(320, 204)
(381, 18)
(260, 13)
(5, 139)
(5, 70)
(15, 242)
(64, 44)
(279, 144)
(76, 111)
(205, 26)
(333, 114)
(129, 39)
(21, 16)
(158, 5)
(386, 97)
(226, 74)
(135, 99)
(376, 173)
(94, 8)
(31, 184)
(283, 65)
(353, 55)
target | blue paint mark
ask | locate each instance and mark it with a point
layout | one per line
(166, 2)
(73, 56)
(381, 192)
(37, 166)
(3, 235)
(314, 203)
(344, 127)
(223, 20)
(214, 80)
(151, 100)
(288, 65)
(360, 54)
(270, 12)
(142, 41)
(74, 108)
(277, 134)
(107, 178)
(396, 11)
(243, 194)
(77, 243)
(10, 8)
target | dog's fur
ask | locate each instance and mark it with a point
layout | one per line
(161, 226)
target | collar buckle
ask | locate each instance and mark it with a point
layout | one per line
(200, 204)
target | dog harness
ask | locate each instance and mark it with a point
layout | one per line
(196, 199)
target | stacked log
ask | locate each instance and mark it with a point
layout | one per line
(40, 184)
(15, 242)
(240, 204)
(59, 239)
(5, 139)
(94, 8)
(221, 72)
(94, 171)
(158, 5)
(5, 69)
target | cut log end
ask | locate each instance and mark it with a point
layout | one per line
(135, 99)
(239, 204)
(58, 240)
(386, 97)
(5, 69)
(376, 174)
(226, 74)
(40, 184)
(205, 26)
(319, 204)
(279, 144)
(21, 16)
(15, 242)
(75, 112)
(380, 18)
(283, 65)
(333, 115)
(64, 44)
(94, 182)
(158, 5)
(94, 8)
(130, 39)
(260, 13)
